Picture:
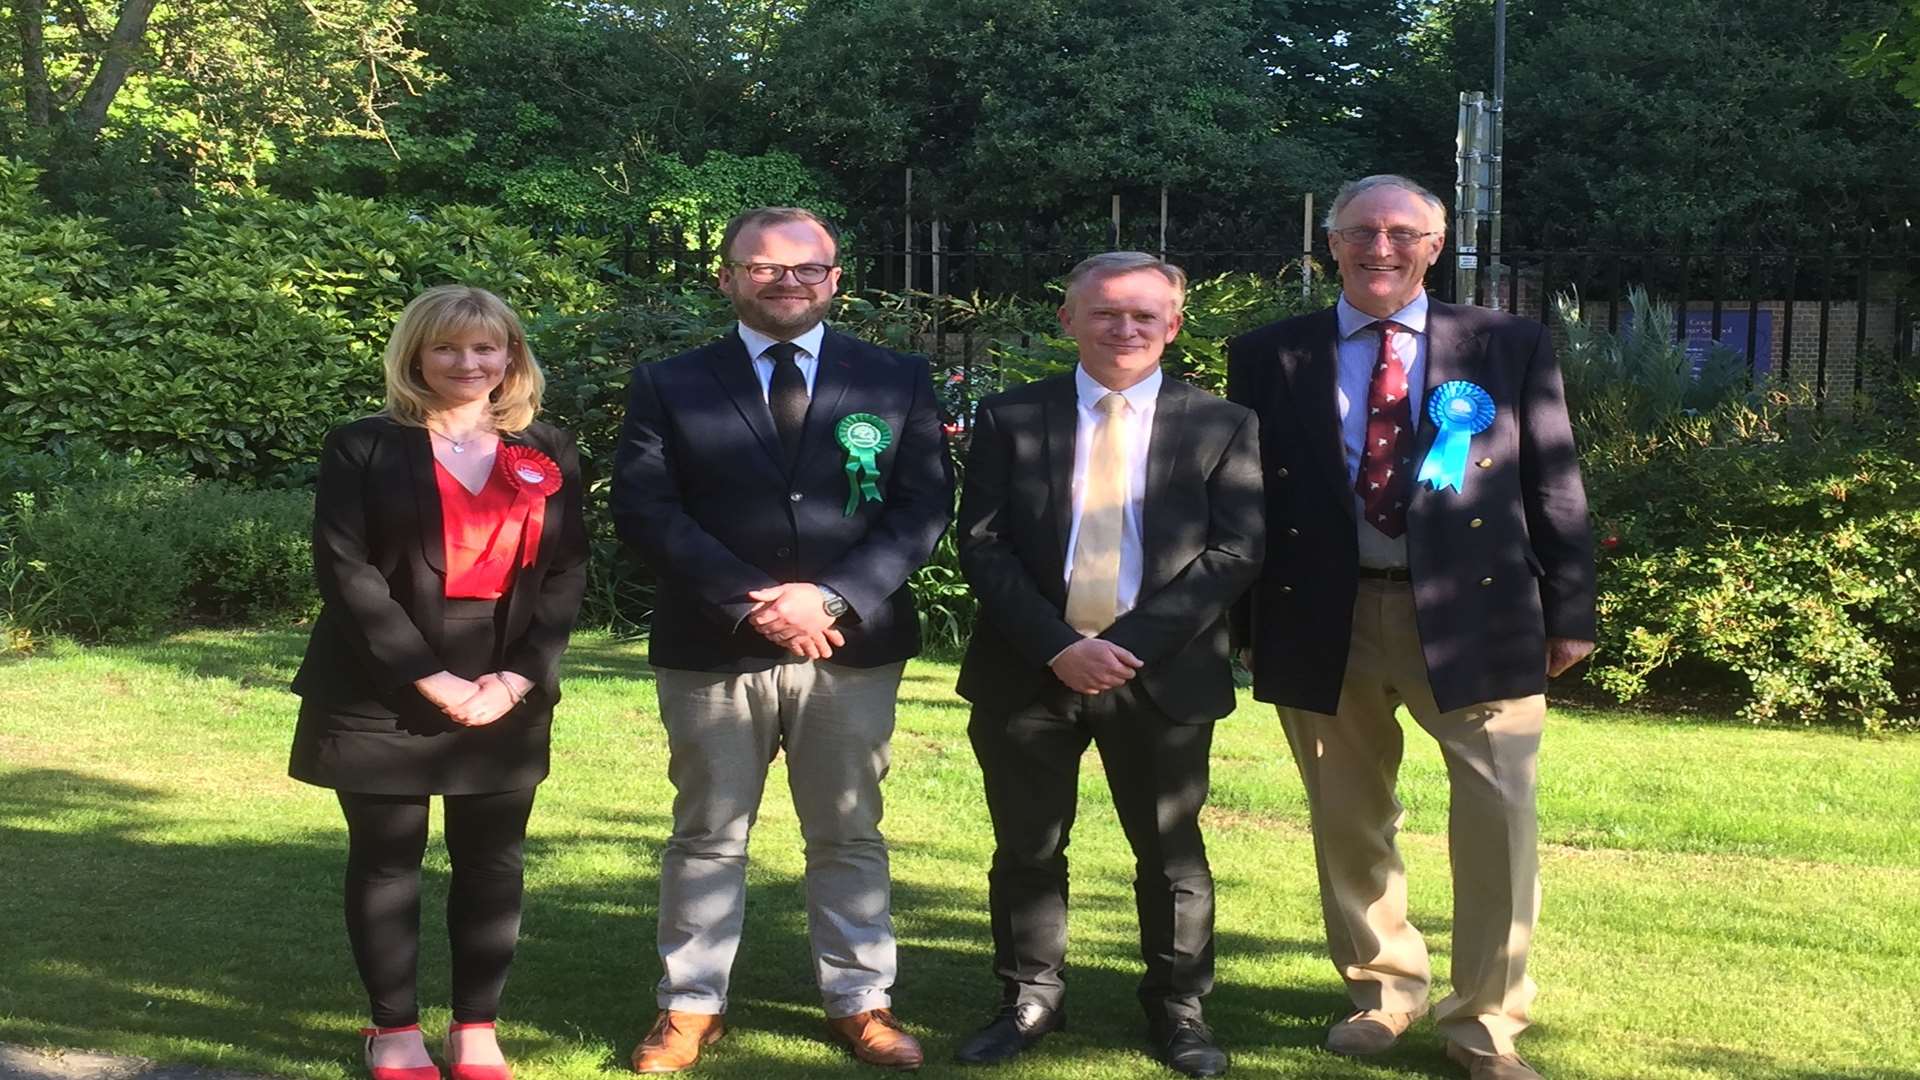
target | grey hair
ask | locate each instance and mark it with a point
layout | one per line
(1353, 189)
(1108, 263)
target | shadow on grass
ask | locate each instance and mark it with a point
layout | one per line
(230, 953)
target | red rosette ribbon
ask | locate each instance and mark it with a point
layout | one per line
(534, 476)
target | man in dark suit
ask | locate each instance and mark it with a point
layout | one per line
(782, 483)
(1446, 567)
(1110, 518)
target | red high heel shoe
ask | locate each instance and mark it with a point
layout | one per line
(395, 1072)
(460, 1071)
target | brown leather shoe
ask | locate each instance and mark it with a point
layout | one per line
(1491, 1066)
(876, 1038)
(1370, 1031)
(675, 1041)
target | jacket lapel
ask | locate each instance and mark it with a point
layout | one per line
(1448, 349)
(426, 496)
(830, 380)
(734, 369)
(1311, 372)
(1164, 449)
(1062, 421)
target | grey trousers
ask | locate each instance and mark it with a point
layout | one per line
(723, 730)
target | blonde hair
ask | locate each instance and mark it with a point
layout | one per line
(451, 309)
(1111, 263)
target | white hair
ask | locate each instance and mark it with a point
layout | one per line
(1353, 189)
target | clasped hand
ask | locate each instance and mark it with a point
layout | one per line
(794, 617)
(473, 702)
(1093, 665)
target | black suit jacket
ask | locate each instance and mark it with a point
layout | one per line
(1202, 546)
(703, 491)
(380, 557)
(1497, 567)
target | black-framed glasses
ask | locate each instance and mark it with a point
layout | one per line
(768, 273)
(1362, 235)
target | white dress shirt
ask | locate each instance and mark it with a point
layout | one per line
(808, 361)
(1141, 399)
(1358, 353)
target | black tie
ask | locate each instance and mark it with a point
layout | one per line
(787, 395)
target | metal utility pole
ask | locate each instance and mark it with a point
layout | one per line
(1469, 194)
(1496, 295)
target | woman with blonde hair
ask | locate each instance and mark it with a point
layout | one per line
(451, 557)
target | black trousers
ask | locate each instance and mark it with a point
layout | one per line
(1157, 772)
(386, 838)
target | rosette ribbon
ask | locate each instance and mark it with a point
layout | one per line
(534, 476)
(863, 436)
(1460, 410)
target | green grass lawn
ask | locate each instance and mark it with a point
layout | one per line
(1720, 901)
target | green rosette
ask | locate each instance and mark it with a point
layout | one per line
(863, 436)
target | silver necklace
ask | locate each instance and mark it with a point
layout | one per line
(459, 445)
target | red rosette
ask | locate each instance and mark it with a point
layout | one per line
(528, 469)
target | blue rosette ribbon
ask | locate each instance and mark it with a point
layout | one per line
(1460, 410)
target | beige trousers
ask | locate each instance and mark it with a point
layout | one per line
(1350, 761)
(723, 730)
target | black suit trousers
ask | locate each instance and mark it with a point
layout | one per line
(1157, 772)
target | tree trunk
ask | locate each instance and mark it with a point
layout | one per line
(116, 62)
(31, 17)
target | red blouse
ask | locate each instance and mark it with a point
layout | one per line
(483, 533)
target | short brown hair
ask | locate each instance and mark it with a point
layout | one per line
(775, 215)
(1109, 263)
(446, 309)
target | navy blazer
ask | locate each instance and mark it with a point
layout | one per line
(1202, 544)
(704, 493)
(1497, 567)
(379, 555)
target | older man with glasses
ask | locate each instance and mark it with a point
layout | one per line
(1427, 547)
(782, 483)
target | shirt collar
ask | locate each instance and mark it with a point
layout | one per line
(1353, 320)
(757, 342)
(1140, 396)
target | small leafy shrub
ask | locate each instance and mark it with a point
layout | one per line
(1755, 549)
(106, 549)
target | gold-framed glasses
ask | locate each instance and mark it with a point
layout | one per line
(1362, 235)
(768, 273)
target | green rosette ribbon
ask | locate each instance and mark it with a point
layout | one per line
(863, 436)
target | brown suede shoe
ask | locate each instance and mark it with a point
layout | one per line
(875, 1037)
(1370, 1031)
(1491, 1066)
(675, 1041)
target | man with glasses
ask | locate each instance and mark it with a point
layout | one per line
(782, 483)
(1428, 547)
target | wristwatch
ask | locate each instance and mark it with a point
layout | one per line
(833, 602)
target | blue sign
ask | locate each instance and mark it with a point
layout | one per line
(1733, 335)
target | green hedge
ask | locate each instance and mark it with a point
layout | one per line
(234, 348)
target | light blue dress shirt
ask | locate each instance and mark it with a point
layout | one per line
(1359, 351)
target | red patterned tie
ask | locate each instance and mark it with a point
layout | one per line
(1386, 461)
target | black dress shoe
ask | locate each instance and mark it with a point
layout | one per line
(1016, 1028)
(1187, 1047)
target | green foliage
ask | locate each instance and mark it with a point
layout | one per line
(1640, 378)
(105, 547)
(1020, 109)
(238, 345)
(1754, 549)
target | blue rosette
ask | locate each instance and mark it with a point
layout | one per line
(1460, 410)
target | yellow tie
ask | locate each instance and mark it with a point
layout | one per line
(1093, 593)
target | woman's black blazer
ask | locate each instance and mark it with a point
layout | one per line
(380, 558)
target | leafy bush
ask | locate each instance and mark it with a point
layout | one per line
(260, 326)
(104, 548)
(1758, 550)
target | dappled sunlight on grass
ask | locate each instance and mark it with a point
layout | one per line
(172, 894)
